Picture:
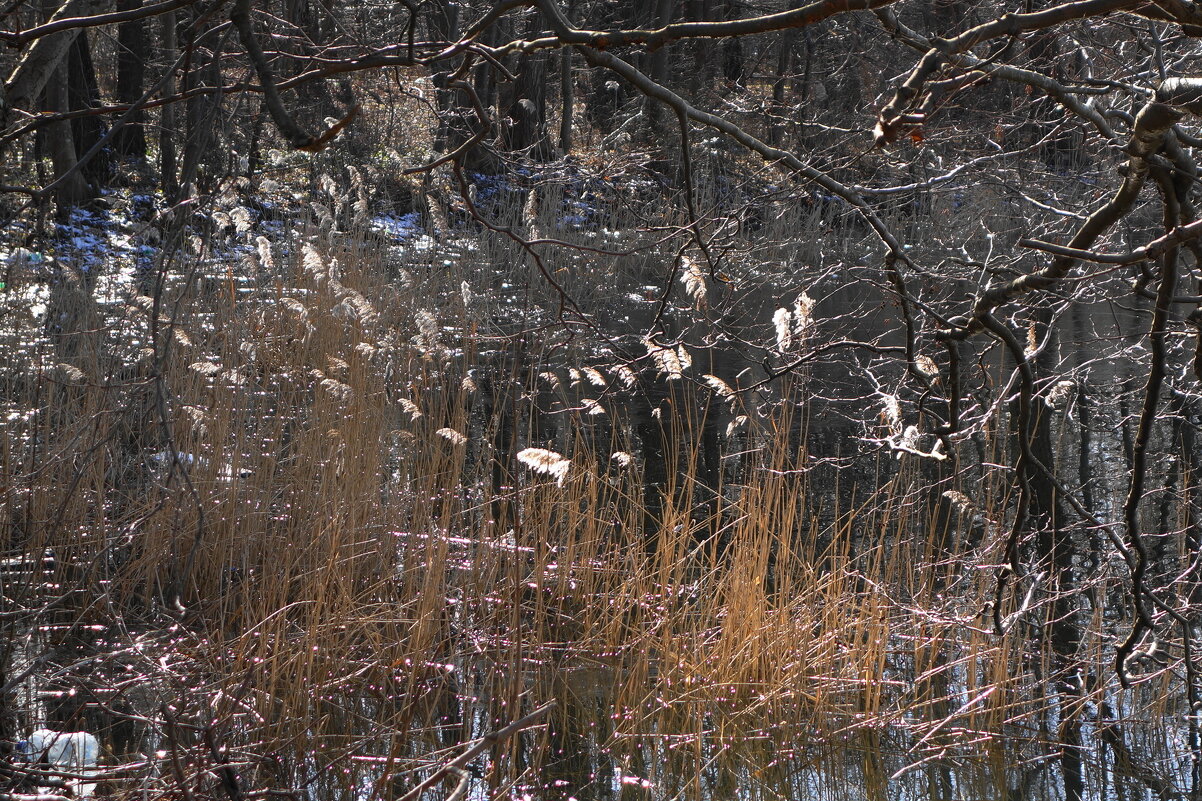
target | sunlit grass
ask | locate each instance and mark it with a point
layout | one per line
(354, 573)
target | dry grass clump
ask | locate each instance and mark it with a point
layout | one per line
(337, 526)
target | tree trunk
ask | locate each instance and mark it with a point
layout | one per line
(200, 113)
(565, 101)
(60, 146)
(25, 84)
(527, 108)
(658, 72)
(167, 117)
(133, 52)
(83, 92)
(784, 66)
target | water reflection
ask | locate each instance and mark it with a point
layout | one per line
(268, 560)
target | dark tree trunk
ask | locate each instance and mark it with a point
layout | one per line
(565, 101)
(168, 175)
(606, 96)
(133, 53)
(784, 66)
(658, 72)
(83, 92)
(1055, 554)
(527, 107)
(315, 101)
(734, 60)
(456, 119)
(59, 144)
(200, 114)
(58, 139)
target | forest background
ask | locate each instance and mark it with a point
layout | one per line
(595, 399)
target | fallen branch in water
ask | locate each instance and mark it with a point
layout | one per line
(457, 764)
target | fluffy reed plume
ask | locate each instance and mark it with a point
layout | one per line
(782, 321)
(1059, 394)
(693, 278)
(233, 377)
(530, 215)
(142, 303)
(361, 204)
(66, 373)
(452, 436)
(592, 406)
(428, 338)
(342, 394)
(337, 366)
(594, 377)
(734, 425)
(891, 412)
(354, 307)
(313, 263)
(793, 326)
(295, 308)
(325, 218)
(670, 361)
(242, 219)
(266, 257)
(625, 376)
(926, 365)
(327, 184)
(960, 501)
(548, 463)
(204, 368)
(907, 442)
(803, 314)
(623, 458)
(410, 408)
(719, 386)
(198, 418)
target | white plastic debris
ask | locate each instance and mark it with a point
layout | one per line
(70, 751)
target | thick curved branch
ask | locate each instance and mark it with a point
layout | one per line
(1178, 236)
(1157, 371)
(291, 130)
(967, 61)
(653, 38)
(897, 113)
(27, 80)
(65, 23)
(1151, 125)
